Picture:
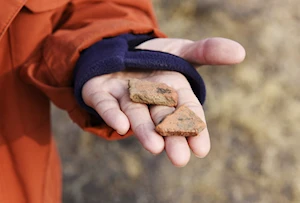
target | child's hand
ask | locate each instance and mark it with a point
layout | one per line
(109, 96)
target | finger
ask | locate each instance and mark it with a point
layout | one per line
(213, 51)
(102, 95)
(142, 125)
(178, 150)
(107, 106)
(176, 147)
(200, 144)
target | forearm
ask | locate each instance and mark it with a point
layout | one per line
(87, 22)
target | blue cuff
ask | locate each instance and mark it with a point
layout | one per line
(116, 54)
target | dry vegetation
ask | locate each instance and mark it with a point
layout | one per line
(252, 109)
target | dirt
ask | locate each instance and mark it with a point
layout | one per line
(146, 92)
(182, 122)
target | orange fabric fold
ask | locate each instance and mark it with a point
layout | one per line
(39, 46)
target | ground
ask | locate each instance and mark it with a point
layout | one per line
(252, 110)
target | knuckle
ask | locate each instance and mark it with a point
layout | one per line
(192, 104)
(141, 128)
(106, 112)
(131, 107)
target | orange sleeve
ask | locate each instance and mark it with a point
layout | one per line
(89, 22)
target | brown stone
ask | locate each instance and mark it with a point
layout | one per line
(142, 91)
(183, 122)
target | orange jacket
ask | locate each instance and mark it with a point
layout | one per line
(40, 41)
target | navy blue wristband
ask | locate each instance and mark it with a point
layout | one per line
(116, 54)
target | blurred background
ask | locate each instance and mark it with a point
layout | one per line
(252, 110)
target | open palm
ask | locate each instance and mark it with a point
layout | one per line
(109, 96)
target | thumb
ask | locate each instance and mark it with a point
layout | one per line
(210, 51)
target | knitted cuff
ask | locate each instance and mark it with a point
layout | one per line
(116, 54)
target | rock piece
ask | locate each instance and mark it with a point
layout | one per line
(183, 122)
(142, 91)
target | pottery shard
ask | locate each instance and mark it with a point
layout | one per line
(147, 92)
(183, 122)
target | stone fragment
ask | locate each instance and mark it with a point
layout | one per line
(183, 122)
(142, 91)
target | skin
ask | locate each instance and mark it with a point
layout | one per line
(109, 96)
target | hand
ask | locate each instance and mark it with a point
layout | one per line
(108, 95)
